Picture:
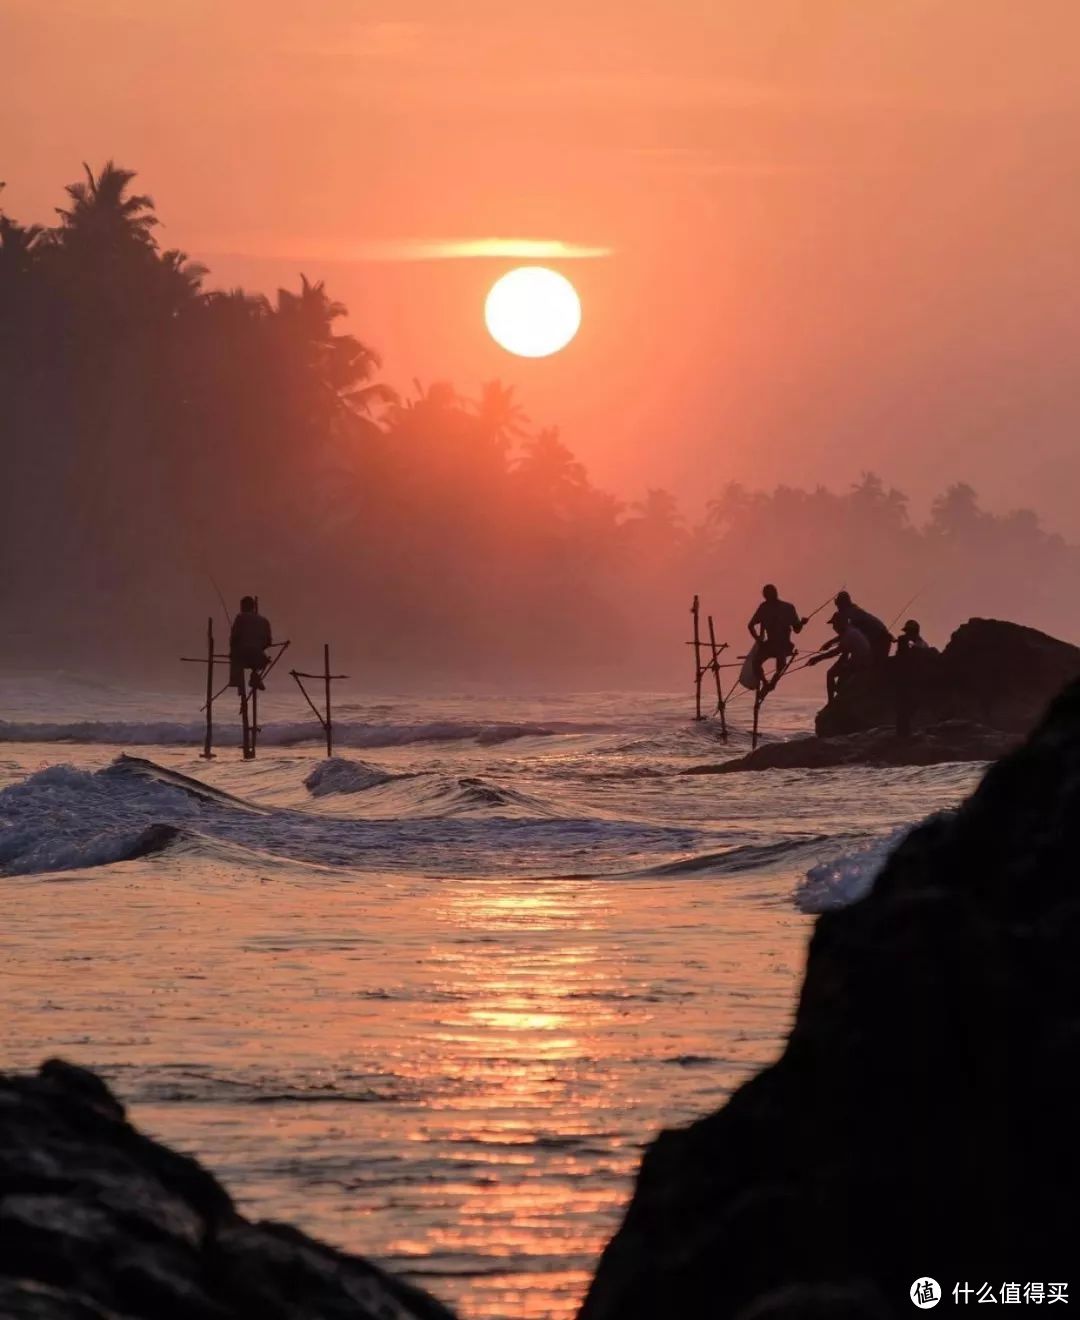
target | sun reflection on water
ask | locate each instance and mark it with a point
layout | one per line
(454, 1077)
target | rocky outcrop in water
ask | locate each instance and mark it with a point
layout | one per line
(922, 1117)
(993, 673)
(98, 1222)
(953, 740)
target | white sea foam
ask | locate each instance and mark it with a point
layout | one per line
(845, 879)
(62, 819)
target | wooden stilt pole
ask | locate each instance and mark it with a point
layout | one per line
(329, 717)
(716, 674)
(209, 739)
(245, 723)
(695, 610)
(758, 698)
(254, 716)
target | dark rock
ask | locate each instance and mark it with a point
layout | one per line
(952, 740)
(991, 672)
(922, 1117)
(98, 1222)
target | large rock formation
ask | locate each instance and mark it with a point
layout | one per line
(991, 672)
(98, 1222)
(953, 740)
(922, 1119)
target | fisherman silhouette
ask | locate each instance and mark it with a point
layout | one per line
(912, 667)
(771, 627)
(911, 638)
(871, 627)
(851, 650)
(249, 641)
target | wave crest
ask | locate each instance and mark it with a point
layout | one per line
(347, 733)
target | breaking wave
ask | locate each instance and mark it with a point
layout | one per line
(347, 733)
(744, 857)
(845, 879)
(27, 852)
(341, 776)
(63, 818)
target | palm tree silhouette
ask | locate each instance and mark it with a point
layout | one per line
(17, 243)
(103, 211)
(549, 469)
(502, 419)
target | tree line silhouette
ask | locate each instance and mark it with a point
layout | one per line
(162, 437)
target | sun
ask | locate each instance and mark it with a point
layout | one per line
(532, 311)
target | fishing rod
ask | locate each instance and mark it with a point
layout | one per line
(905, 607)
(220, 595)
(827, 601)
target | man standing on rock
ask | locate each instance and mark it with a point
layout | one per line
(851, 650)
(911, 638)
(913, 654)
(771, 627)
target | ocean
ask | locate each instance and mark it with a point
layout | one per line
(427, 1001)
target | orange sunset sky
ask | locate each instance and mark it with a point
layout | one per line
(810, 236)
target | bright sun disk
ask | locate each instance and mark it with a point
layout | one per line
(532, 311)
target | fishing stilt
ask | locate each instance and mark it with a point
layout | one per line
(209, 739)
(245, 724)
(712, 665)
(695, 610)
(327, 719)
(209, 660)
(249, 696)
(715, 667)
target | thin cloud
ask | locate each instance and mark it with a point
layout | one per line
(458, 249)
(398, 250)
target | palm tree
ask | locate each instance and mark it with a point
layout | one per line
(103, 212)
(549, 469)
(339, 367)
(502, 418)
(657, 524)
(180, 280)
(659, 509)
(17, 244)
(236, 306)
(311, 310)
(438, 397)
(955, 515)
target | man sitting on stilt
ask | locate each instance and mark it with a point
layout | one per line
(771, 627)
(249, 642)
